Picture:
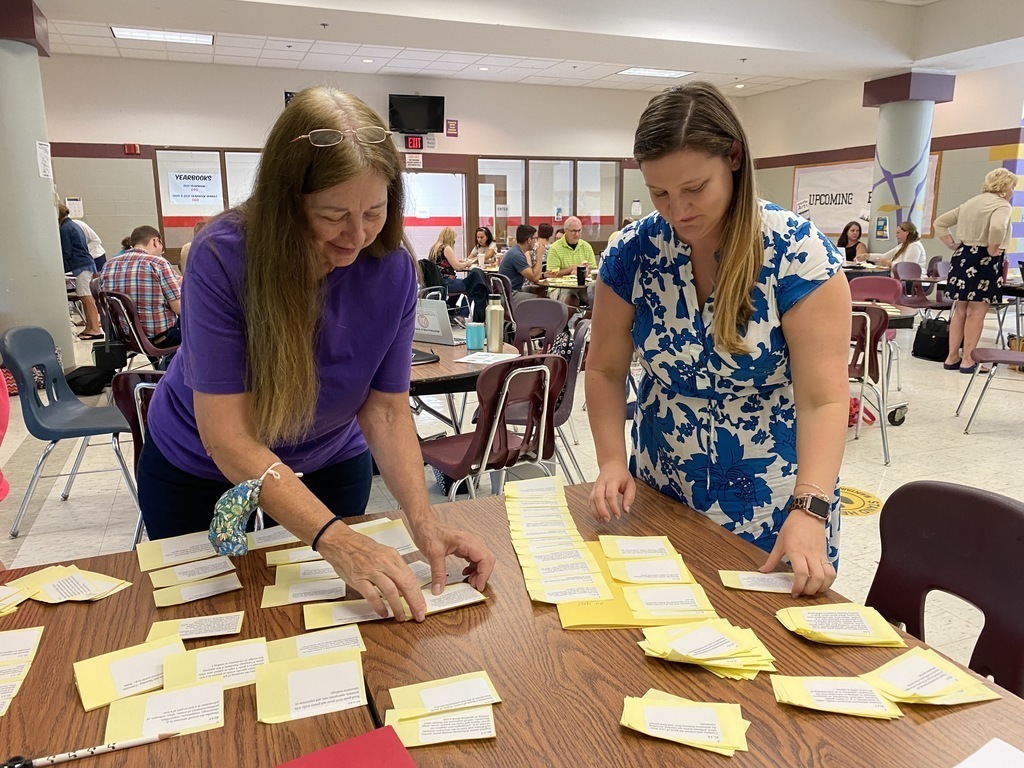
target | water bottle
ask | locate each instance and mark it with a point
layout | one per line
(494, 319)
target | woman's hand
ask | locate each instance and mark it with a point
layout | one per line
(614, 481)
(802, 538)
(436, 541)
(373, 570)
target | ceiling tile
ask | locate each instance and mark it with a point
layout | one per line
(77, 28)
(324, 62)
(461, 58)
(538, 80)
(239, 41)
(269, 53)
(345, 49)
(224, 50)
(277, 63)
(377, 50)
(538, 63)
(419, 54)
(96, 42)
(239, 61)
(392, 69)
(285, 44)
(139, 53)
(59, 47)
(142, 45)
(356, 64)
(204, 50)
(443, 66)
(205, 58)
(500, 61)
(92, 50)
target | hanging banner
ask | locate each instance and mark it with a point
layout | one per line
(194, 188)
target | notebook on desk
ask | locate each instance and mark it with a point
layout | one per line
(433, 325)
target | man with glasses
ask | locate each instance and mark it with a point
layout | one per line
(146, 277)
(566, 254)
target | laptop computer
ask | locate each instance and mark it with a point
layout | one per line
(433, 325)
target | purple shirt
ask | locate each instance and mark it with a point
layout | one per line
(364, 342)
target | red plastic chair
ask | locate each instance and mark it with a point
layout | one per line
(132, 392)
(532, 382)
(964, 541)
(869, 326)
(887, 290)
(545, 315)
(127, 328)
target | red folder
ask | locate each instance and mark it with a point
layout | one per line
(371, 750)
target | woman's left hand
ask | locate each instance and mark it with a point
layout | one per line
(436, 541)
(802, 539)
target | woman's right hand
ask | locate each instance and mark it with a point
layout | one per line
(377, 572)
(613, 493)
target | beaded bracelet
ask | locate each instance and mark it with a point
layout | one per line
(328, 524)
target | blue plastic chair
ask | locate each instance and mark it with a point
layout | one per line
(62, 416)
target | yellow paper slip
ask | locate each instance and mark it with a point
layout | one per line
(922, 676)
(651, 570)
(550, 508)
(840, 624)
(292, 555)
(298, 688)
(189, 572)
(29, 583)
(302, 592)
(316, 643)
(322, 615)
(752, 581)
(234, 663)
(77, 585)
(191, 709)
(842, 695)
(390, 533)
(291, 573)
(555, 556)
(725, 650)
(201, 626)
(541, 572)
(681, 601)
(473, 689)
(535, 488)
(458, 725)
(579, 590)
(636, 547)
(541, 527)
(198, 590)
(609, 613)
(119, 674)
(163, 553)
(712, 726)
(270, 537)
(19, 644)
(8, 690)
(16, 670)
(11, 598)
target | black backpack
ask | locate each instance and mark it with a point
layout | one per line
(932, 339)
(89, 380)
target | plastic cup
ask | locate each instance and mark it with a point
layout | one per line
(475, 336)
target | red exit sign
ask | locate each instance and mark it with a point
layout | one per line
(414, 142)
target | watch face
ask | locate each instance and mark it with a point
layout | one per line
(820, 507)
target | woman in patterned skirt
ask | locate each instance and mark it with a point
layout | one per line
(741, 320)
(976, 266)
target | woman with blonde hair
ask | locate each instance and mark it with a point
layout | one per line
(909, 248)
(741, 321)
(976, 267)
(442, 253)
(298, 319)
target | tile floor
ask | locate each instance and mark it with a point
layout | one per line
(99, 517)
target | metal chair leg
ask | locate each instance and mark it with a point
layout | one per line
(456, 423)
(572, 431)
(565, 466)
(981, 397)
(572, 456)
(74, 469)
(115, 441)
(32, 487)
(970, 383)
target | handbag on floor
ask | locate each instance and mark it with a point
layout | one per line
(932, 339)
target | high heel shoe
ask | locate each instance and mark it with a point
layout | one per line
(952, 366)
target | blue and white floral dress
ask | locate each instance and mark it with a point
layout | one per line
(713, 430)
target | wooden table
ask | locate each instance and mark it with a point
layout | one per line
(860, 270)
(563, 691)
(445, 377)
(47, 716)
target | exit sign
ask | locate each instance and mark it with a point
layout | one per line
(414, 142)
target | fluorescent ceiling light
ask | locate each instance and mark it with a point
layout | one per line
(646, 72)
(740, 85)
(484, 69)
(367, 61)
(159, 36)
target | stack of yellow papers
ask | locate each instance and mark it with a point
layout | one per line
(922, 676)
(302, 592)
(453, 709)
(196, 590)
(191, 572)
(270, 537)
(322, 615)
(201, 626)
(194, 708)
(60, 583)
(651, 570)
(842, 695)
(292, 689)
(119, 674)
(15, 592)
(841, 624)
(17, 650)
(681, 602)
(718, 728)
(556, 565)
(176, 550)
(714, 644)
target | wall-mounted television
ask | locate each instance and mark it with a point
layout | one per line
(416, 114)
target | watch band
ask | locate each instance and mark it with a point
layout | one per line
(817, 506)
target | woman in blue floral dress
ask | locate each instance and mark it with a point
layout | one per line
(742, 326)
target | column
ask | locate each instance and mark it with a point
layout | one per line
(905, 104)
(31, 270)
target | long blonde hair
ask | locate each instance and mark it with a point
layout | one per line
(445, 239)
(697, 116)
(912, 237)
(284, 279)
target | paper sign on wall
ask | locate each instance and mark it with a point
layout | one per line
(414, 161)
(43, 159)
(501, 211)
(194, 188)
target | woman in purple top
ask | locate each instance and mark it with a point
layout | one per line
(297, 329)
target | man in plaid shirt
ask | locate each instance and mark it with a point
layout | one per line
(146, 277)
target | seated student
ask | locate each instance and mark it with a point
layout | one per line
(485, 248)
(517, 267)
(565, 255)
(908, 250)
(442, 253)
(148, 279)
(544, 232)
(850, 243)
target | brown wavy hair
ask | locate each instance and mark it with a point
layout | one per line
(285, 275)
(697, 116)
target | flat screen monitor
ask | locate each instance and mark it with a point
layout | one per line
(416, 114)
